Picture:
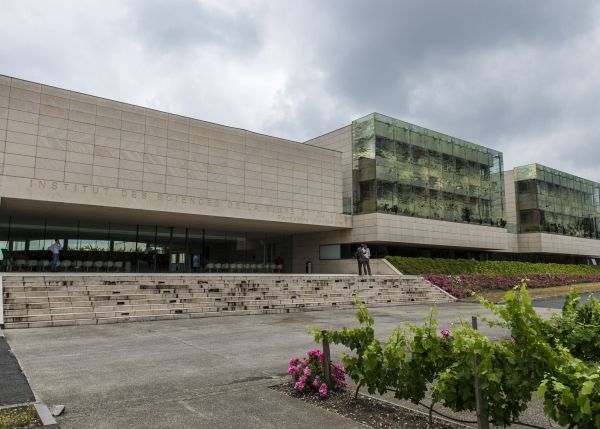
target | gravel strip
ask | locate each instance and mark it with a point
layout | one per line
(370, 412)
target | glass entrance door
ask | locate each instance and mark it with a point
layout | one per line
(178, 261)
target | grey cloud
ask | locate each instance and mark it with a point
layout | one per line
(178, 25)
(390, 40)
(502, 74)
(517, 76)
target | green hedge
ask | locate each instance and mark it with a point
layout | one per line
(469, 266)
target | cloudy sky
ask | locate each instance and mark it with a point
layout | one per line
(519, 76)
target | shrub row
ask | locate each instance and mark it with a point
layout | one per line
(464, 285)
(468, 266)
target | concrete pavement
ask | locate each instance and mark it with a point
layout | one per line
(14, 388)
(196, 373)
(557, 302)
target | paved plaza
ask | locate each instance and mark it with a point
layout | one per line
(198, 373)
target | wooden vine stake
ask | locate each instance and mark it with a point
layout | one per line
(481, 408)
(327, 360)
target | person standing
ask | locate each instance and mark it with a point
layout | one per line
(366, 256)
(55, 248)
(358, 257)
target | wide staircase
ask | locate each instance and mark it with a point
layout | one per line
(59, 300)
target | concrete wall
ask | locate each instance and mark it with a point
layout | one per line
(341, 141)
(512, 217)
(393, 229)
(558, 244)
(56, 145)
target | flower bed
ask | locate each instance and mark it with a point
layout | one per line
(464, 285)
(469, 266)
(307, 374)
(367, 411)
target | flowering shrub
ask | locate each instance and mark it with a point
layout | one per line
(469, 266)
(307, 374)
(464, 285)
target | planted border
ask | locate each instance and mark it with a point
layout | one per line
(464, 285)
(540, 356)
(464, 277)
(469, 266)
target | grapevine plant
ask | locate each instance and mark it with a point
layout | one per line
(536, 358)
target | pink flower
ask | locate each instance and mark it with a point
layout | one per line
(446, 333)
(512, 340)
(294, 361)
(292, 370)
(316, 382)
(323, 391)
(299, 386)
(307, 371)
(316, 353)
(339, 375)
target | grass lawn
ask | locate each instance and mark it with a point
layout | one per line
(19, 417)
(497, 295)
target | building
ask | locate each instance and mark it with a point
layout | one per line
(414, 192)
(130, 189)
(133, 189)
(553, 215)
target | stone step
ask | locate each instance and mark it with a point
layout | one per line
(59, 295)
(35, 304)
(87, 312)
(16, 292)
(145, 318)
(36, 301)
(211, 285)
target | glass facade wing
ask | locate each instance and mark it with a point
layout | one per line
(412, 171)
(553, 201)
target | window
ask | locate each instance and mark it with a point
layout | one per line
(330, 251)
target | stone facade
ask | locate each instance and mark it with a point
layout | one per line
(393, 229)
(76, 155)
(340, 141)
(63, 146)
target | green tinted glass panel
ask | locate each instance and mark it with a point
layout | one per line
(405, 169)
(565, 204)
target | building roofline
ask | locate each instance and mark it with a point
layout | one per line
(168, 113)
(441, 134)
(329, 132)
(537, 164)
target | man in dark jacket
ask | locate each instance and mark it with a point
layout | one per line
(358, 256)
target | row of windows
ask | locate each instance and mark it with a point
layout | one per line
(558, 209)
(24, 243)
(534, 220)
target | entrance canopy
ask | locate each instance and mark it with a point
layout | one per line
(227, 220)
(109, 239)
